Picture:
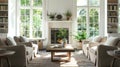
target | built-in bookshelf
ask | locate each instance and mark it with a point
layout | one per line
(112, 16)
(3, 16)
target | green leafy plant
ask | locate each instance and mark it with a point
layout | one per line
(81, 35)
(62, 33)
(51, 15)
(68, 14)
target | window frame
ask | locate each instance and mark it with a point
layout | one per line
(31, 7)
(88, 7)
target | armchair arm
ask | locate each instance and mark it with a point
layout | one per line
(19, 58)
(91, 44)
(103, 59)
(85, 41)
(29, 44)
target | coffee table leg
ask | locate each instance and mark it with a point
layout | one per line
(52, 55)
(69, 56)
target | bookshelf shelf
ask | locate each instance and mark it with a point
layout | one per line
(3, 16)
(112, 16)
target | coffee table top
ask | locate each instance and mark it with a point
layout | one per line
(68, 47)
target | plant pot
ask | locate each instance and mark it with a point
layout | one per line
(68, 17)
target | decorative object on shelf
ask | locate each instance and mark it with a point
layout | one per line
(59, 17)
(68, 14)
(51, 15)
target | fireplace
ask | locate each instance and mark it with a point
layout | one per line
(59, 33)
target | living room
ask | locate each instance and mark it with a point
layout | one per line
(60, 22)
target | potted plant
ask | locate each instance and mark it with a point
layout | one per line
(81, 35)
(51, 15)
(62, 36)
(68, 14)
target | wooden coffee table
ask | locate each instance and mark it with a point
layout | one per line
(68, 48)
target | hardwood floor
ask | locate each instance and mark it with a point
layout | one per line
(44, 60)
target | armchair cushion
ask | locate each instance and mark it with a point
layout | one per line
(93, 50)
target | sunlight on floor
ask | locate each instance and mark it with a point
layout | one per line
(72, 63)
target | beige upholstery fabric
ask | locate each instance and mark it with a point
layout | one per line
(97, 39)
(92, 48)
(103, 59)
(112, 41)
(2, 44)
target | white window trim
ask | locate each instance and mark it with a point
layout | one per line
(18, 16)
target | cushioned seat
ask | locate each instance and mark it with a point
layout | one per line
(93, 50)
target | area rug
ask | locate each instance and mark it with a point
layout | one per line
(77, 60)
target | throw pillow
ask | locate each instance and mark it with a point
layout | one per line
(17, 39)
(10, 41)
(97, 38)
(23, 39)
(112, 41)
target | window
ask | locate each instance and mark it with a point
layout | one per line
(88, 16)
(30, 18)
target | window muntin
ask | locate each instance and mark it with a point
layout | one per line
(31, 18)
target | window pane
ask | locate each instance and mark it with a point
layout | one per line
(25, 15)
(82, 2)
(25, 22)
(81, 18)
(37, 2)
(94, 21)
(24, 29)
(25, 2)
(94, 2)
(37, 19)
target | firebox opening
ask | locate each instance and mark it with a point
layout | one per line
(58, 34)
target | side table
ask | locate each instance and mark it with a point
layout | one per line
(115, 57)
(4, 55)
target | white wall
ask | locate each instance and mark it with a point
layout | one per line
(102, 23)
(12, 18)
(59, 6)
